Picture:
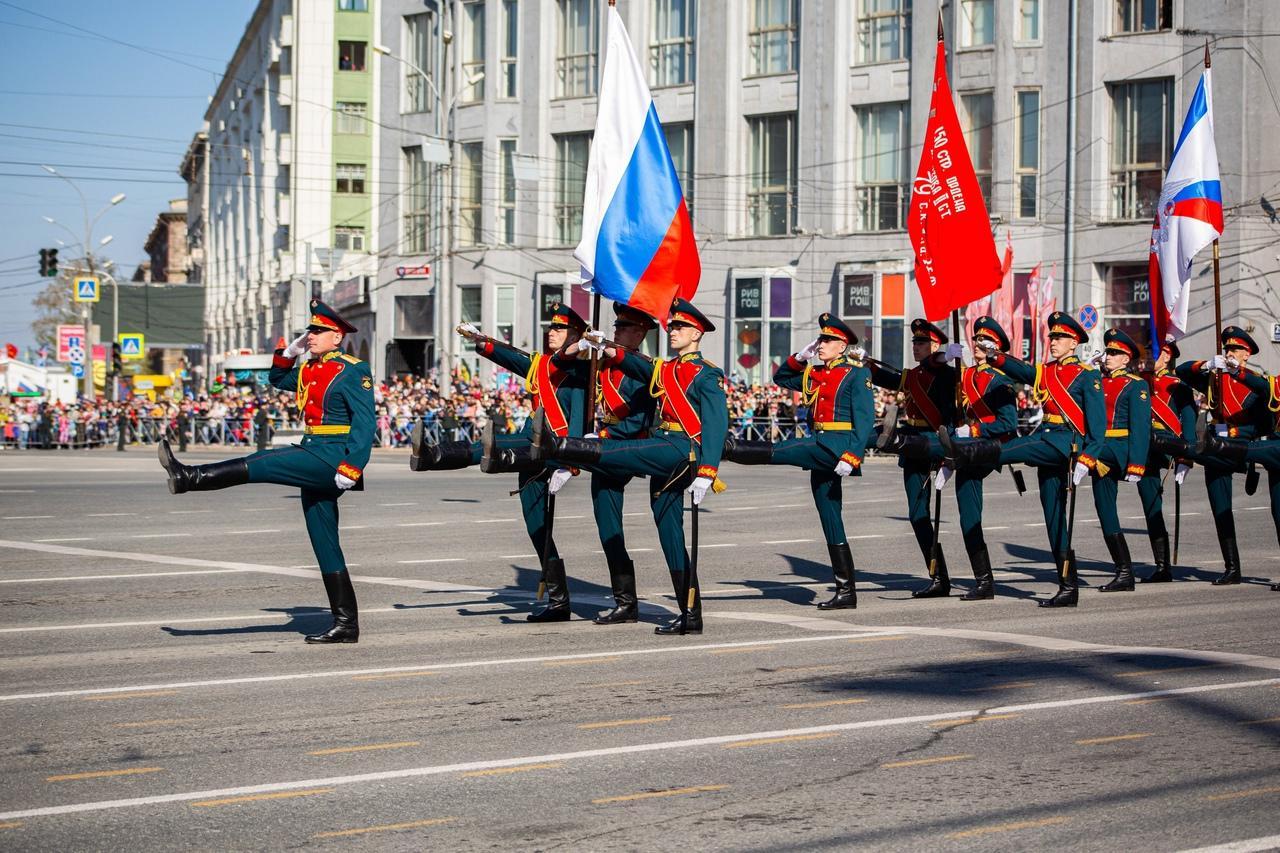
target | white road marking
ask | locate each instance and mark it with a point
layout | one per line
(24, 517)
(784, 541)
(107, 514)
(66, 539)
(1001, 527)
(516, 556)
(868, 536)
(634, 749)
(265, 530)
(495, 520)
(1248, 845)
(112, 577)
(437, 560)
(420, 524)
(182, 620)
(157, 535)
(189, 511)
(17, 491)
(721, 545)
(407, 503)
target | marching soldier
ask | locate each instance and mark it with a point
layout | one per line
(930, 387)
(1124, 448)
(558, 384)
(1265, 451)
(990, 411)
(842, 415)
(683, 450)
(1066, 443)
(1240, 415)
(1173, 424)
(334, 393)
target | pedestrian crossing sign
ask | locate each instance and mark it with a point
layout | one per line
(132, 345)
(86, 288)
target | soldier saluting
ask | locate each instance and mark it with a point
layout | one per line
(334, 393)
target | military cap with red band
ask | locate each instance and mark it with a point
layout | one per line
(682, 311)
(325, 319)
(1234, 336)
(928, 331)
(831, 326)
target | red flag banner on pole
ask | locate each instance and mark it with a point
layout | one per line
(956, 259)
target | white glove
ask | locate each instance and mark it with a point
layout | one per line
(858, 353)
(1218, 362)
(1232, 362)
(298, 347)
(808, 352)
(1180, 472)
(698, 488)
(468, 330)
(1133, 478)
(988, 345)
(963, 431)
(843, 469)
(558, 478)
(940, 479)
(1079, 473)
(592, 435)
(342, 481)
(594, 338)
(953, 351)
(1096, 358)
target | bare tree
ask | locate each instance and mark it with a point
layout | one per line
(53, 308)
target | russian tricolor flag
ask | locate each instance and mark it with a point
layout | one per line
(637, 242)
(1188, 218)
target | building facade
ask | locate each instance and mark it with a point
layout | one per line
(166, 245)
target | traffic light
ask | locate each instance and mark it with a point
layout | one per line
(117, 366)
(48, 263)
(53, 263)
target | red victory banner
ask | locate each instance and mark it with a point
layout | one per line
(956, 259)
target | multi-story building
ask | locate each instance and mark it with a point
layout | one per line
(166, 245)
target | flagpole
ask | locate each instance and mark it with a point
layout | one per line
(1217, 295)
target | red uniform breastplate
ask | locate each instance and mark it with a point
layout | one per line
(917, 382)
(1056, 379)
(1162, 401)
(1234, 394)
(314, 379)
(543, 380)
(615, 404)
(822, 389)
(975, 383)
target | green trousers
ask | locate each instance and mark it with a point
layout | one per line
(533, 494)
(305, 469)
(828, 492)
(1048, 450)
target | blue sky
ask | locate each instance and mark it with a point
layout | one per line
(109, 94)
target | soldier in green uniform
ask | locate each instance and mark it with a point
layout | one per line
(1240, 404)
(930, 388)
(1173, 425)
(1066, 444)
(1265, 451)
(1125, 447)
(842, 415)
(684, 449)
(334, 393)
(558, 382)
(1240, 415)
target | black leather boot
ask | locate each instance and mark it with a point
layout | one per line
(1119, 548)
(1068, 593)
(625, 609)
(557, 608)
(1160, 556)
(694, 625)
(1168, 444)
(1226, 449)
(1231, 562)
(846, 597)
(970, 453)
(984, 586)
(939, 581)
(201, 478)
(747, 452)
(428, 455)
(907, 446)
(574, 450)
(515, 459)
(342, 601)
(541, 435)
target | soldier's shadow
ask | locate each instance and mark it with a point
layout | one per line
(587, 599)
(302, 620)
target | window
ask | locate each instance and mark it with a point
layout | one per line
(350, 177)
(1141, 142)
(470, 302)
(351, 117)
(353, 5)
(1028, 20)
(576, 55)
(504, 312)
(771, 198)
(420, 48)
(876, 311)
(1128, 305)
(349, 237)
(680, 142)
(507, 191)
(977, 23)
(1026, 168)
(417, 202)
(1143, 16)
(978, 131)
(771, 41)
(472, 52)
(351, 55)
(884, 30)
(510, 48)
(671, 48)
(470, 192)
(415, 316)
(761, 327)
(571, 180)
(881, 193)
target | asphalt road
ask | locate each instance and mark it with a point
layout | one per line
(155, 692)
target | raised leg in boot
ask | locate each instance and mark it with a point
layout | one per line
(426, 454)
(201, 478)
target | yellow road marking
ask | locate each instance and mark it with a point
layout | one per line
(337, 750)
(1148, 701)
(1252, 792)
(581, 662)
(742, 651)
(648, 795)
(386, 827)
(102, 774)
(920, 762)
(388, 675)
(1008, 827)
(878, 639)
(827, 704)
(142, 724)
(1092, 740)
(615, 723)
(251, 798)
(768, 740)
(1009, 685)
(500, 771)
(617, 683)
(963, 721)
(139, 695)
(13, 824)
(1168, 669)
(1261, 722)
